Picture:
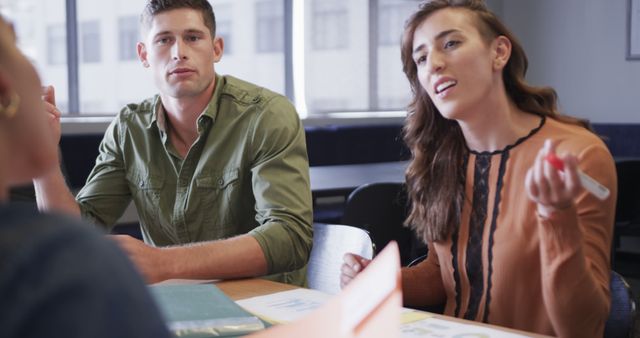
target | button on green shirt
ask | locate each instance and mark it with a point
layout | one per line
(248, 172)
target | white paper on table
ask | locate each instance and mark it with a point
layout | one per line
(329, 320)
(285, 306)
(434, 327)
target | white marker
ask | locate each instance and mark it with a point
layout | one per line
(588, 182)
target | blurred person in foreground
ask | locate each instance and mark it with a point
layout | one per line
(58, 278)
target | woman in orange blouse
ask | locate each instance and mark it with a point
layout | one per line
(512, 240)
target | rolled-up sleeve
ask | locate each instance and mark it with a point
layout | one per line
(106, 193)
(280, 180)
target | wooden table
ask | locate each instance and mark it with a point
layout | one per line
(247, 288)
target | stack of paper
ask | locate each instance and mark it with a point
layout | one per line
(369, 306)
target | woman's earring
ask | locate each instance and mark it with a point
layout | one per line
(9, 105)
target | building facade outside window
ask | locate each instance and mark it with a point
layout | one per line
(330, 24)
(240, 29)
(269, 26)
(103, 85)
(224, 25)
(128, 37)
(391, 17)
(56, 44)
(90, 41)
(392, 90)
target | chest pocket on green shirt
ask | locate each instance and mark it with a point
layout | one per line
(145, 183)
(219, 181)
(217, 193)
(146, 190)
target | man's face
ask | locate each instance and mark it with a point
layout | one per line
(180, 50)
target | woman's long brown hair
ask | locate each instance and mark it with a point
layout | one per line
(436, 175)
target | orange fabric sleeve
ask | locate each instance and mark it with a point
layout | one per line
(422, 284)
(574, 252)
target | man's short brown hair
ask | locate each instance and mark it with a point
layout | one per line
(154, 7)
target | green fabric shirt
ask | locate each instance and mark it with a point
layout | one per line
(248, 172)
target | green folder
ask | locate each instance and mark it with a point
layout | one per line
(202, 310)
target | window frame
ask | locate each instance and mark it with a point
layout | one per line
(74, 115)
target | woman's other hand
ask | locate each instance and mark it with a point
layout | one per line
(352, 266)
(53, 114)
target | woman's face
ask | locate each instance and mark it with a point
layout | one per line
(28, 136)
(455, 65)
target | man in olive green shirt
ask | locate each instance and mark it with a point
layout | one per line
(211, 160)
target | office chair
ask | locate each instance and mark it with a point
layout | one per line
(330, 243)
(623, 314)
(627, 221)
(381, 208)
(417, 260)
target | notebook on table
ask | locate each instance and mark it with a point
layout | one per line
(202, 310)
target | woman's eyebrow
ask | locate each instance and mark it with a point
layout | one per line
(440, 35)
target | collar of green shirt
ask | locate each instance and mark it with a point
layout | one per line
(211, 111)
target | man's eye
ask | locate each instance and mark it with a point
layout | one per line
(451, 43)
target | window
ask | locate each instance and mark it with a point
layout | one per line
(241, 57)
(41, 35)
(56, 44)
(337, 60)
(128, 36)
(354, 61)
(118, 77)
(269, 26)
(330, 24)
(351, 53)
(392, 14)
(90, 41)
(224, 25)
(392, 91)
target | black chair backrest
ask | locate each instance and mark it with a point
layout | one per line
(628, 205)
(627, 220)
(381, 208)
(622, 316)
